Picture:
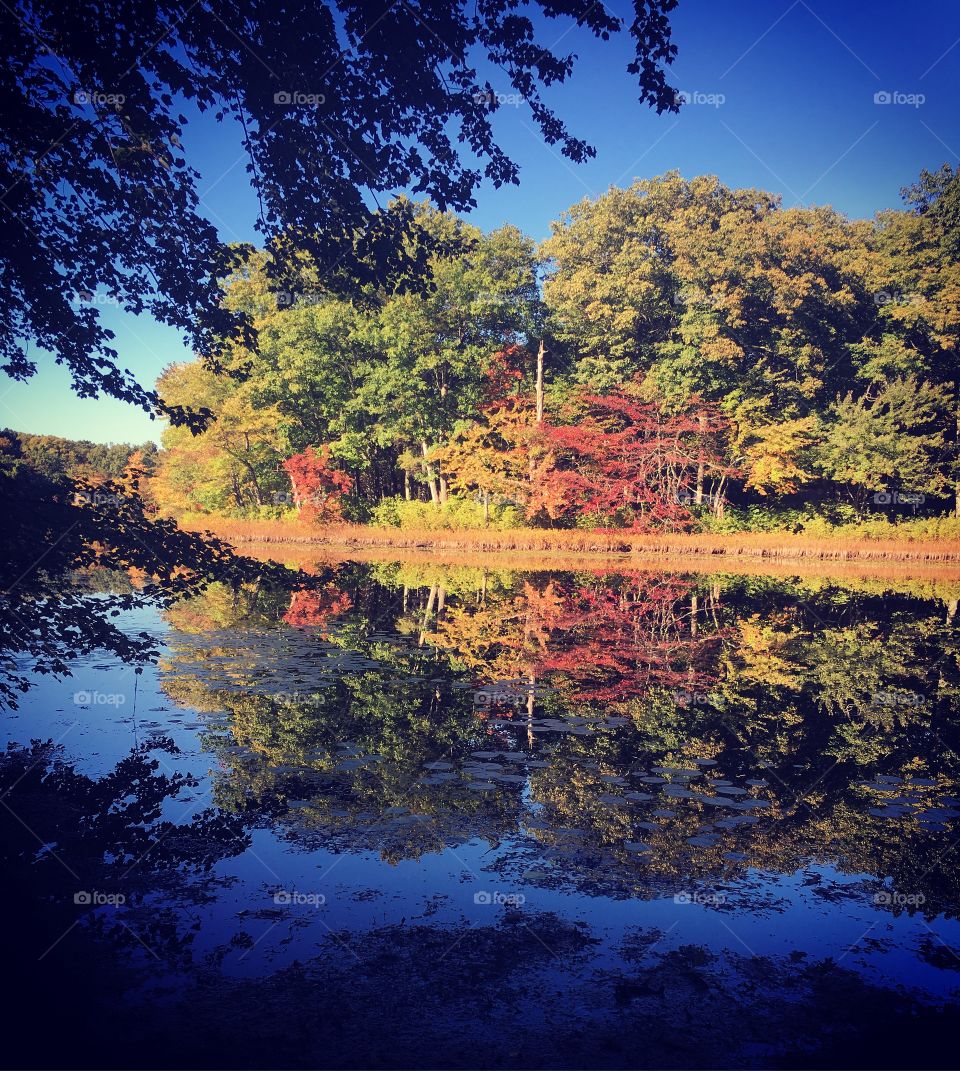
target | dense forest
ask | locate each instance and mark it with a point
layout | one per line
(676, 353)
(75, 459)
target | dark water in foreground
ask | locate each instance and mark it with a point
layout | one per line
(429, 817)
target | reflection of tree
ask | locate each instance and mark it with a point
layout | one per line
(675, 731)
(313, 609)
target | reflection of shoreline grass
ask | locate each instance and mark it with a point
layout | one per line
(597, 542)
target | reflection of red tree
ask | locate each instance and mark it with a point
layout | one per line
(313, 609)
(617, 642)
(607, 641)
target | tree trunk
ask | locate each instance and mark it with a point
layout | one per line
(698, 492)
(407, 493)
(443, 489)
(486, 507)
(539, 385)
(431, 475)
(956, 409)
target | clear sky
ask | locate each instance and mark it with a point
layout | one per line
(823, 102)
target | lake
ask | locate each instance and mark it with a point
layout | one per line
(434, 815)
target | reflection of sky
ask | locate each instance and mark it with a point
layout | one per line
(817, 910)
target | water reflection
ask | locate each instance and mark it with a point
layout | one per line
(684, 785)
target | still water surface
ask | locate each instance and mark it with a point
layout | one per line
(434, 816)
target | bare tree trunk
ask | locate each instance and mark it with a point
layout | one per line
(698, 491)
(486, 507)
(431, 475)
(443, 489)
(539, 386)
(407, 490)
(956, 409)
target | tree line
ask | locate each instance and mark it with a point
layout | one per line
(673, 351)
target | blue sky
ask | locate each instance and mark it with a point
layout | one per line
(824, 103)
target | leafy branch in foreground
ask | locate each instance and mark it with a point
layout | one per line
(335, 102)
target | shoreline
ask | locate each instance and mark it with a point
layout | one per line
(604, 544)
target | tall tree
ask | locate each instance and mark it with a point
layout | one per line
(335, 102)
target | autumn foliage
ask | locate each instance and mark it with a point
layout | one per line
(318, 487)
(628, 462)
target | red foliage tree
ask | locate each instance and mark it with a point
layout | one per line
(318, 487)
(629, 461)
